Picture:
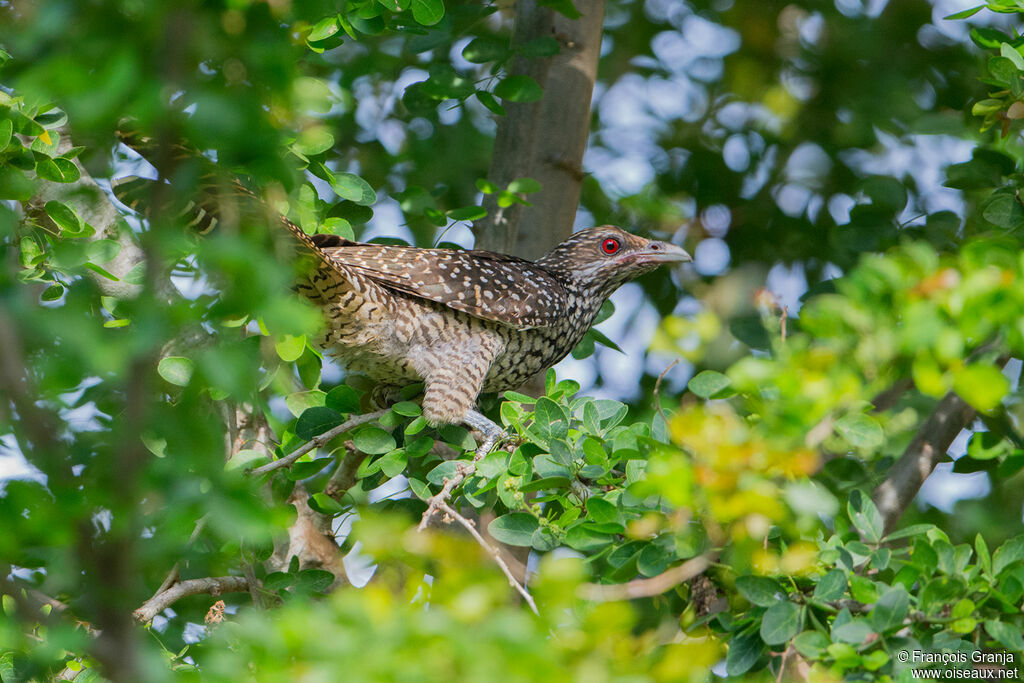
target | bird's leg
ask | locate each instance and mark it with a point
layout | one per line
(451, 387)
(491, 432)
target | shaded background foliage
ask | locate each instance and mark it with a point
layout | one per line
(780, 142)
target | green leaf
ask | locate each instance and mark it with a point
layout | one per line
(515, 528)
(306, 469)
(865, 517)
(393, 463)
(861, 431)
(601, 510)
(744, 651)
(343, 399)
(58, 170)
(483, 50)
(548, 418)
(247, 458)
(337, 226)
(102, 251)
(315, 421)
(524, 186)
(546, 484)
(419, 488)
(1009, 636)
(760, 590)
(982, 386)
(6, 133)
(1002, 69)
(445, 470)
(427, 12)
(939, 592)
(64, 217)
(984, 559)
(708, 383)
(314, 140)
(885, 192)
(586, 539)
(863, 589)
(890, 610)
(407, 408)
(314, 580)
(855, 631)
(831, 586)
(964, 14)
(300, 401)
(909, 532)
(277, 580)
(53, 292)
(1008, 553)
(519, 88)
(780, 624)
(601, 339)
(176, 369)
(492, 104)
(1002, 207)
(1009, 52)
(290, 347)
(351, 187)
(15, 185)
(468, 213)
(416, 426)
(373, 440)
(811, 644)
(323, 29)
(544, 540)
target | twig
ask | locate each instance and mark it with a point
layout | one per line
(174, 574)
(213, 585)
(657, 389)
(447, 509)
(782, 322)
(344, 477)
(316, 442)
(647, 588)
(437, 502)
(919, 459)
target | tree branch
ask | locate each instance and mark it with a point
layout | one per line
(344, 477)
(545, 140)
(445, 508)
(92, 205)
(213, 585)
(316, 442)
(919, 459)
(647, 588)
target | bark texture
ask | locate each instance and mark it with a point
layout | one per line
(545, 140)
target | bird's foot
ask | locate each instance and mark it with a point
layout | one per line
(492, 433)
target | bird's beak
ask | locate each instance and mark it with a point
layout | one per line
(662, 252)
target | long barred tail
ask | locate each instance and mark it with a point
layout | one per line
(215, 190)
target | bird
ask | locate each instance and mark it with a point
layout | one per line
(465, 322)
(462, 322)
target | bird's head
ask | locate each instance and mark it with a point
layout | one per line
(599, 260)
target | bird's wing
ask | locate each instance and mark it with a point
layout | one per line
(486, 285)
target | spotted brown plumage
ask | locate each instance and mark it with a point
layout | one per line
(463, 322)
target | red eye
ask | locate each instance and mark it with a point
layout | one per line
(610, 245)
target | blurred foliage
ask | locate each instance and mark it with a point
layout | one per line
(874, 152)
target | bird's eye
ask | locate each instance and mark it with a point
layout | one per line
(610, 245)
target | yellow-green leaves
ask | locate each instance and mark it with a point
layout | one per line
(982, 386)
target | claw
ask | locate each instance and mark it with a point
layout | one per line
(491, 432)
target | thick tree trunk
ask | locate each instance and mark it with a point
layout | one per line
(545, 140)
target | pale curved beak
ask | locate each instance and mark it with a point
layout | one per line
(662, 252)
